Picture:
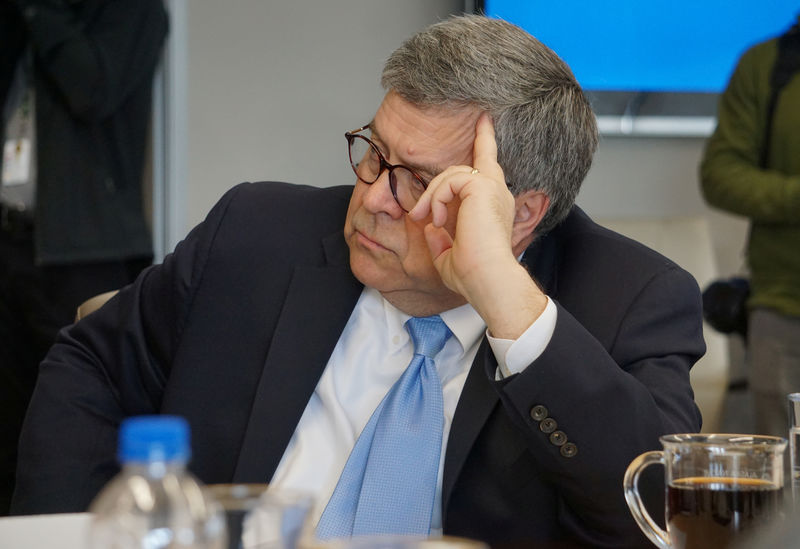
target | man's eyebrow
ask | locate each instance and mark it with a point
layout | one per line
(426, 170)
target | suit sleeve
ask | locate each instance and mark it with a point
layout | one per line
(609, 404)
(112, 364)
(95, 65)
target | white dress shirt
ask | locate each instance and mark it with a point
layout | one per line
(372, 353)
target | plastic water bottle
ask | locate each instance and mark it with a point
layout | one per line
(154, 502)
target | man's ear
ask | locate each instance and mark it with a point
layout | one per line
(530, 209)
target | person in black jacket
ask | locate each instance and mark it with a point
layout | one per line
(75, 94)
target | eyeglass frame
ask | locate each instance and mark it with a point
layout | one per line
(383, 164)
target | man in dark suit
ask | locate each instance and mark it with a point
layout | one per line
(277, 333)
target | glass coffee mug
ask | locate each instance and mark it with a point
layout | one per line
(717, 487)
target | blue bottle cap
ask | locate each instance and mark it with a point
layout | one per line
(154, 438)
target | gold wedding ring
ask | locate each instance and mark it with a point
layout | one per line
(474, 171)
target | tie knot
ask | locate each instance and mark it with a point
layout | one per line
(429, 334)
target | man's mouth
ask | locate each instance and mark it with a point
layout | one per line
(368, 242)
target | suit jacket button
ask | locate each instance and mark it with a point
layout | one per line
(558, 438)
(539, 412)
(569, 450)
(548, 425)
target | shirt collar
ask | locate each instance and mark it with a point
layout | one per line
(464, 322)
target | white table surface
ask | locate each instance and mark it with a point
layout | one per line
(61, 531)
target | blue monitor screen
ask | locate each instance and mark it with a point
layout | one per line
(638, 45)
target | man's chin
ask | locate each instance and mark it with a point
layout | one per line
(414, 300)
(372, 276)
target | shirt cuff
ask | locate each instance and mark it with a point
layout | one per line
(514, 355)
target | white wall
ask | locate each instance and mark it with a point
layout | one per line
(273, 86)
(638, 178)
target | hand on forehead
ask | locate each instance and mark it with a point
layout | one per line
(458, 180)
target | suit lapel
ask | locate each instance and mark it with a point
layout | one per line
(317, 306)
(479, 399)
(480, 396)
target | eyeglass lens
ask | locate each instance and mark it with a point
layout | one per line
(368, 164)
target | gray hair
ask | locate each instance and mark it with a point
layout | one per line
(545, 128)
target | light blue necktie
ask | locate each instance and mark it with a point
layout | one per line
(389, 481)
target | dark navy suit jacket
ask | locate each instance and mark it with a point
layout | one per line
(235, 328)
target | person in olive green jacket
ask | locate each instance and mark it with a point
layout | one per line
(735, 179)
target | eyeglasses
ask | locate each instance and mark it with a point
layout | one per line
(368, 163)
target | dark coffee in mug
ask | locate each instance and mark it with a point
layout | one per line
(708, 513)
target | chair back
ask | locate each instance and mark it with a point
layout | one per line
(93, 303)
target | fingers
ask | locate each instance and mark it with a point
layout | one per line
(484, 149)
(449, 184)
(441, 191)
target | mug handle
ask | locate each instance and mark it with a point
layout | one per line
(631, 484)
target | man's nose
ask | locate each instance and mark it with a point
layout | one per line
(378, 197)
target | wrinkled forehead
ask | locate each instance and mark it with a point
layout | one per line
(438, 136)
